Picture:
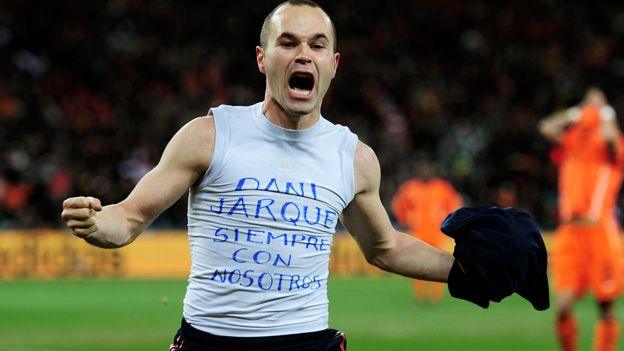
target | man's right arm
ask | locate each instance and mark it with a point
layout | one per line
(609, 129)
(185, 159)
(553, 126)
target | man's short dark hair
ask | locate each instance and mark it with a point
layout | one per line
(265, 25)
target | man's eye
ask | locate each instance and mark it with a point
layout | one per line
(318, 46)
(288, 44)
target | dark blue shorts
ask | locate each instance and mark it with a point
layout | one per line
(191, 339)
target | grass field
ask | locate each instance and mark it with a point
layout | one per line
(376, 313)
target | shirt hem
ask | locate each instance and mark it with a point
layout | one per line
(222, 330)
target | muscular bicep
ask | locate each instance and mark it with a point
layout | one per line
(367, 221)
(184, 160)
(365, 217)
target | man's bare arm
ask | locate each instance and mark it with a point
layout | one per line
(553, 126)
(609, 129)
(383, 246)
(185, 159)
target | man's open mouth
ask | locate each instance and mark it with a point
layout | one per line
(301, 84)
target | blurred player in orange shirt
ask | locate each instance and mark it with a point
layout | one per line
(421, 204)
(587, 252)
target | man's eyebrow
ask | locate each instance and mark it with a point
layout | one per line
(291, 36)
(320, 36)
(287, 36)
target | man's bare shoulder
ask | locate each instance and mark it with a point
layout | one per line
(193, 144)
(367, 169)
(201, 129)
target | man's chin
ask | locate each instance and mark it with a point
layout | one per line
(299, 108)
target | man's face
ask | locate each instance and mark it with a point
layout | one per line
(595, 97)
(298, 61)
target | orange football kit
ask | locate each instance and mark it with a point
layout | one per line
(421, 206)
(587, 253)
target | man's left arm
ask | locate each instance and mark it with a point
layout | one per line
(383, 246)
(610, 130)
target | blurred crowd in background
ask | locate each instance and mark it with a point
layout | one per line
(91, 91)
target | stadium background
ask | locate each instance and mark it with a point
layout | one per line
(90, 92)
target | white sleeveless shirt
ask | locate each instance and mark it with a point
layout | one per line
(261, 223)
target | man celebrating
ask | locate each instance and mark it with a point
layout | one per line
(268, 183)
(587, 250)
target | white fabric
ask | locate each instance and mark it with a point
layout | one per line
(261, 223)
(607, 113)
(574, 114)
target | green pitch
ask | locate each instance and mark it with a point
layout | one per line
(376, 313)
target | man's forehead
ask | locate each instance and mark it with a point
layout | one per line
(303, 21)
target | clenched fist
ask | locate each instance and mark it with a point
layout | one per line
(79, 214)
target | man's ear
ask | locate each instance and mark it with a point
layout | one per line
(260, 59)
(336, 60)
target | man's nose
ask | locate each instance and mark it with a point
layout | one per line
(303, 60)
(303, 57)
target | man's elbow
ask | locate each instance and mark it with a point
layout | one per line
(546, 132)
(380, 258)
(376, 261)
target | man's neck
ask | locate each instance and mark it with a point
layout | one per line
(280, 117)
